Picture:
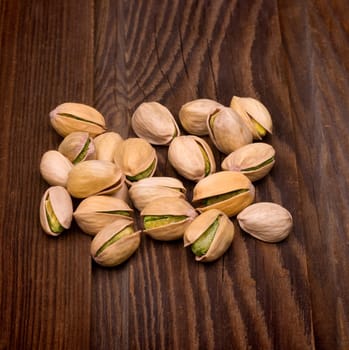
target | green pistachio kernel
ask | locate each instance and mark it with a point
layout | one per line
(81, 156)
(144, 174)
(52, 220)
(223, 197)
(206, 160)
(259, 128)
(153, 221)
(203, 243)
(261, 165)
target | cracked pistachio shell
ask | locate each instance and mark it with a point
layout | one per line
(254, 160)
(106, 145)
(223, 236)
(192, 157)
(77, 146)
(154, 122)
(169, 217)
(95, 212)
(268, 222)
(255, 115)
(107, 249)
(146, 190)
(193, 115)
(56, 209)
(93, 177)
(137, 159)
(69, 117)
(228, 191)
(228, 131)
(55, 168)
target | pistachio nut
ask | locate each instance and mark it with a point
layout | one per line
(209, 235)
(193, 115)
(137, 159)
(77, 146)
(56, 210)
(269, 222)
(228, 131)
(228, 191)
(146, 190)
(155, 123)
(95, 212)
(166, 218)
(106, 145)
(94, 177)
(69, 117)
(254, 160)
(55, 168)
(192, 157)
(255, 115)
(115, 243)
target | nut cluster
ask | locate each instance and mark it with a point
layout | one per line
(109, 176)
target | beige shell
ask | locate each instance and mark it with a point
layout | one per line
(62, 207)
(144, 191)
(251, 109)
(119, 251)
(169, 206)
(269, 222)
(69, 117)
(186, 157)
(73, 146)
(221, 183)
(223, 236)
(254, 160)
(122, 193)
(154, 122)
(193, 115)
(228, 131)
(107, 144)
(55, 168)
(94, 177)
(95, 212)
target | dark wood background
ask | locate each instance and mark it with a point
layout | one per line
(293, 55)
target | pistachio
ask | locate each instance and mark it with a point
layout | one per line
(228, 191)
(55, 168)
(166, 218)
(192, 157)
(69, 117)
(106, 145)
(254, 160)
(56, 210)
(255, 115)
(268, 222)
(209, 235)
(115, 243)
(146, 190)
(154, 122)
(193, 115)
(93, 177)
(95, 212)
(228, 131)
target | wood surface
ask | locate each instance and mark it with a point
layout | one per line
(113, 55)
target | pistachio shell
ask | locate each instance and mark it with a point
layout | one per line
(122, 193)
(254, 160)
(106, 145)
(192, 157)
(154, 123)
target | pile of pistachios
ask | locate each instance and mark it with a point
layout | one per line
(112, 179)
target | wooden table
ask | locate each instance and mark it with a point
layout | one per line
(293, 56)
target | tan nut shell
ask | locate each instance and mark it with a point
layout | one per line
(220, 183)
(154, 122)
(250, 156)
(269, 222)
(62, 206)
(222, 239)
(106, 145)
(169, 206)
(55, 168)
(94, 177)
(186, 157)
(122, 193)
(193, 115)
(118, 251)
(146, 190)
(229, 131)
(92, 213)
(69, 117)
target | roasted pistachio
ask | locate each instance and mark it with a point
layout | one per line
(106, 145)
